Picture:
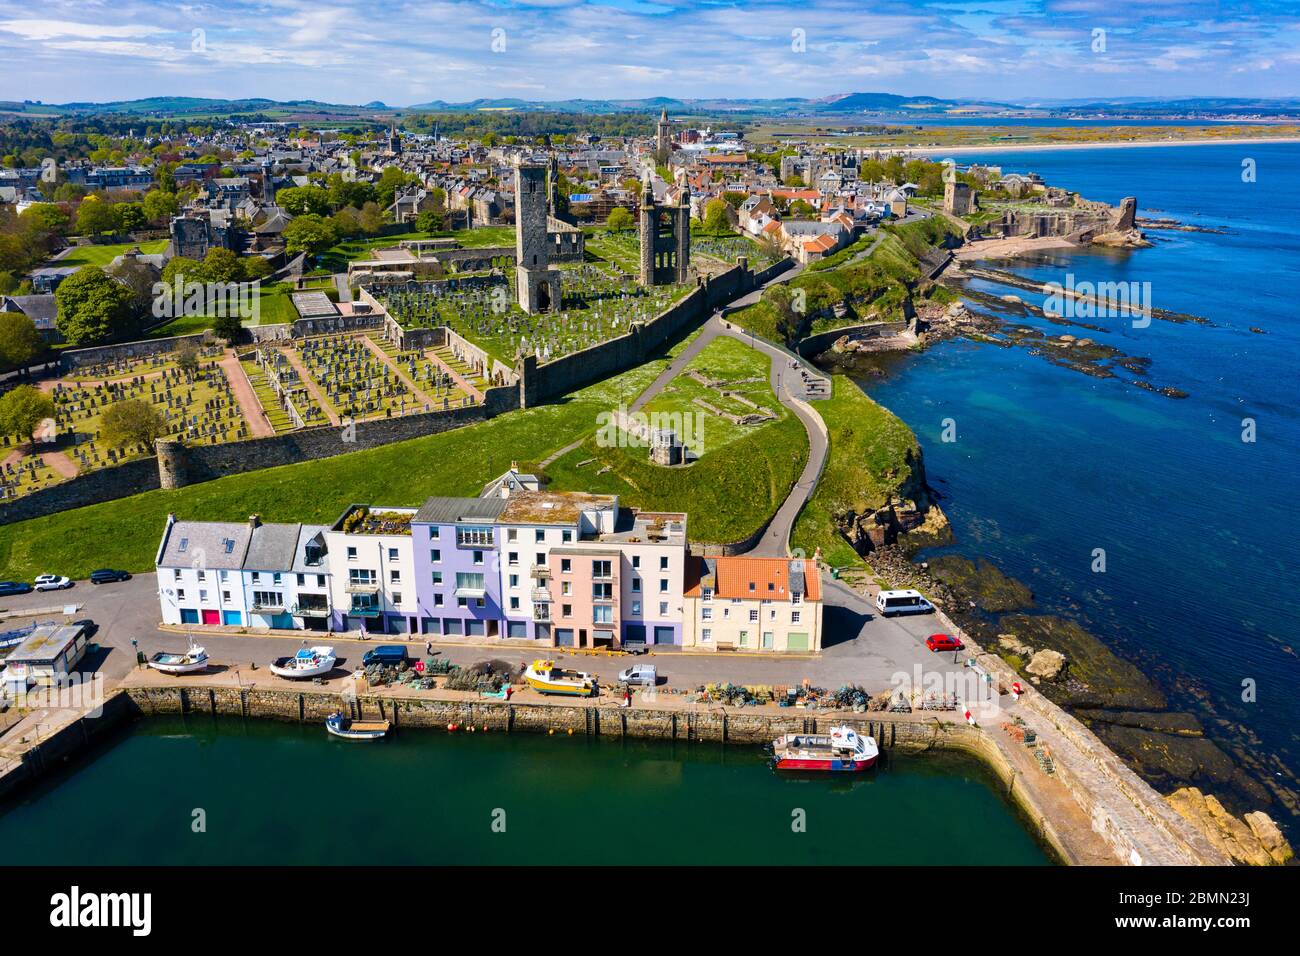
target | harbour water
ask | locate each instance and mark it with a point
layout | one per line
(268, 792)
(1199, 527)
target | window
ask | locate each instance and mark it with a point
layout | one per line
(435, 532)
(726, 613)
(753, 615)
(636, 585)
(706, 614)
(512, 558)
(663, 608)
(435, 556)
(268, 599)
(395, 576)
(601, 569)
(302, 580)
(363, 577)
(225, 597)
(203, 594)
(540, 536)
(512, 535)
(636, 608)
(794, 617)
(397, 597)
(437, 600)
(796, 597)
(770, 587)
(437, 578)
(706, 634)
(514, 580)
(225, 575)
(602, 614)
(469, 581)
(320, 580)
(514, 604)
(176, 574)
(470, 537)
(566, 536)
(707, 594)
(203, 575)
(462, 602)
(352, 554)
(539, 559)
(392, 554)
(566, 610)
(602, 592)
(663, 563)
(478, 557)
(636, 560)
(180, 594)
(663, 585)
(566, 587)
(751, 587)
(566, 565)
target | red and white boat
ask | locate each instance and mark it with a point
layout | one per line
(843, 749)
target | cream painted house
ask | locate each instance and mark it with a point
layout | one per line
(754, 604)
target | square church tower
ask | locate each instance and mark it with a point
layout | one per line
(539, 284)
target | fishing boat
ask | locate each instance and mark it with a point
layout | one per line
(308, 662)
(349, 729)
(843, 749)
(194, 659)
(544, 676)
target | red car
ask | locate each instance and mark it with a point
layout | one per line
(943, 642)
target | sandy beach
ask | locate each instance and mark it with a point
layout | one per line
(1136, 144)
(1011, 247)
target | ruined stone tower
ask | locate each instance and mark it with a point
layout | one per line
(539, 284)
(958, 199)
(663, 138)
(665, 238)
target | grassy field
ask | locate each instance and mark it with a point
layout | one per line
(274, 307)
(124, 533)
(729, 360)
(870, 457)
(95, 255)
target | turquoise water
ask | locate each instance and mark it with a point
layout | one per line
(277, 793)
(1200, 529)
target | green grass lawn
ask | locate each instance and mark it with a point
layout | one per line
(96, 255)
(870, 458)
(274, 307)
(729, 360)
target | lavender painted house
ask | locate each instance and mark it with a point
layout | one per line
(458, 567)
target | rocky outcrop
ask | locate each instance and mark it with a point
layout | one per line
(1046, 664)
(1254, 840)
(1122, 239)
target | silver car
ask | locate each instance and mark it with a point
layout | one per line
(643, 675)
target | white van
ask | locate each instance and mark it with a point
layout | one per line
(902, 602)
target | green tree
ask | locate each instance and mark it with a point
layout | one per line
(229, 327)
(429, 221)
(130, 216)
(131, 422)
(221, 265)
(188, 269)
(92, 306)
(304, 200)
(45, 216)
(255, 268)
(160, 207)
(22, 410)
(310, 234)
(619, 219)
(96, 217)
(717, 218)
(20, 342)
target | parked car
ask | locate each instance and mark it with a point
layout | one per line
(642, 674)
(108, 576)
(14, 587)
(388, 654)
(943, 642)
(52, 582)
(902, 602)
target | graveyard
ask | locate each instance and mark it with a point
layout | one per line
(195, 405)
(598, 304)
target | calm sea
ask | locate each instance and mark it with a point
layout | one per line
(1199, 527)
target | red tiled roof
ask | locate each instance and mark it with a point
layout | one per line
(753, 578)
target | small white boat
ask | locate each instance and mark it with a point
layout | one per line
(308, 662)
(349, 729)
(193, 660)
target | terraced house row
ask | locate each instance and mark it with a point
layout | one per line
(564, 569)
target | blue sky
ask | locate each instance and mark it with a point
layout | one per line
(353, 51)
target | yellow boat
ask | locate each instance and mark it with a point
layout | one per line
(544, 676)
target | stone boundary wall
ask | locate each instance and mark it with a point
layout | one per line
(712, 726)
(55, 750)
(772, 271)
(104, 484)
(72, 359)
(816, 344)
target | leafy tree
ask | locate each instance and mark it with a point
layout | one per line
(188, 269)
(304, 200)
(132, 422)
(130, 216)
(96, 217)
(619, 219)
(187, 358)
(45, 216)
(346, 192)
(22, 410)
(221, 265)
(429, 221)
(160, 207)
(734, 198)
(255, 268)
(229, 327)
(20, 342)
(372, 219)
(310, 234)
(717, 218)
(92, 306)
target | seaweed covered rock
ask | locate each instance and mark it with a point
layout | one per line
(1255, 840)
